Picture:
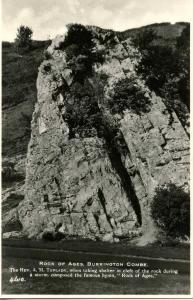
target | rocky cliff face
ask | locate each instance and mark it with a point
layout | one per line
(97, 180)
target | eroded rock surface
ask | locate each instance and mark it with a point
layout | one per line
(85, 185)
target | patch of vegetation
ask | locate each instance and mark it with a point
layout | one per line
(143, 39)
(171, 210)
(78, 45)
(78, 34)
(157, 64)
(20, 72)
(166, 33)
(166, 69)
(19, 75)
(127, 95)
(79, 48)
(52, 236)
(82, 111)
(183, 49)
(107, 38)
(23, 41)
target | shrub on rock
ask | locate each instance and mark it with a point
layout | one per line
(80, 50)
(127, 95)
(170, 210)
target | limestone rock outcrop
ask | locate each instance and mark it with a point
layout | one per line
(86, 186)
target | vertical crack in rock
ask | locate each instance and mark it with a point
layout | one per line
(103, 201)
(96, 216)
(117, 164)
(58, 186)
(165, 140)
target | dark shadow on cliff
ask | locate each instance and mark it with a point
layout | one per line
(117, 164)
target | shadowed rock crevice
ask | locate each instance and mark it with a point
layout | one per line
(103, 203)
(58, 186)
(117, 164)
(96, 216)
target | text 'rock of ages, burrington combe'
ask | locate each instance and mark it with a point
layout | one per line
(94, 175)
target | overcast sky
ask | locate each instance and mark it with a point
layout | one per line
(48, 17)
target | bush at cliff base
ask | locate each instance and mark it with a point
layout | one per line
(170, 210)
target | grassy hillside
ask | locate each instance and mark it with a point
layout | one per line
(19, 73)
(167, 33)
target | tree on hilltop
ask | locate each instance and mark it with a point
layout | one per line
(24, 38)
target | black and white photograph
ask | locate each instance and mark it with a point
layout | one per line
(95, 148)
